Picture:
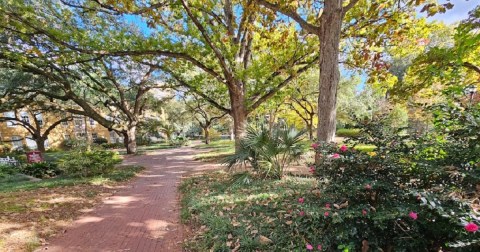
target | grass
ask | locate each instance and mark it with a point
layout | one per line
(15, 183)
(261, 216)
(215, 151)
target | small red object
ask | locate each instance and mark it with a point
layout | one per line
(34, 157)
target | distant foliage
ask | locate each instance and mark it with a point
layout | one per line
(179, 141)
(268, 153)
(89, 163)
(411, 194)
(100, 140)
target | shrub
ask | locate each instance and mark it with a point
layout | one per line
(269, 153)
(100, 140)
(6, 170)
(89, 163)
(69, 144)
(395, 197)
(41, 170)
(112, 145)
(348, 132)
(179, 141)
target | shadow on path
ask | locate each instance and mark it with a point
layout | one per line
(144, 216)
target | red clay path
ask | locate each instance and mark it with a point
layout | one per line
(144, 216)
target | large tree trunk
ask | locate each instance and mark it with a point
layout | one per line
(129, 140)
(239, 114)
(206, 131)
(40, 141)
(330, 28)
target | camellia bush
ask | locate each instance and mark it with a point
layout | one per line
(411, 194)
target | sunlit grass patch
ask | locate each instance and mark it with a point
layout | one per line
(216, 151)
(259, 216)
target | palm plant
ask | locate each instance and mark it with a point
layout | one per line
(268, 152)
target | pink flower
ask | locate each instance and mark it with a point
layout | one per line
(302, 213)
(314, 145)
(368, 186)
(336, 155)
(471, 227)
(364, 212)
(413, 215)
(327, 205)
(301, 200)
(309, 247)
(343, 148)
(319, 247)
(326, 214)
(312, 169)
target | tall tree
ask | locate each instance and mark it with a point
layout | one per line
(224, 41)
(370, 24)
(203, 113)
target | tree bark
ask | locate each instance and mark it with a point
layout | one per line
(40, 144)
(330, 29)
(129, 140)
(239, 114)
(206, 131)
(310, 129)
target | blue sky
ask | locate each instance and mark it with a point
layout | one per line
(457, 13)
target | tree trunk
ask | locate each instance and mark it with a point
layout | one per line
(206, 132)
(330, 28)
(129, 140)
(40, 144)
(310, 129)
(239, 114)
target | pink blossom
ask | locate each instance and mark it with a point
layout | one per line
(327, 205)
(368, 186)
(364, 212)
(302, 213)
(309, 247)
(301, 200)
(314, 145)
(413, 215)
(336, 155)
(312, 169)
(343, 148)
(326, 214)
(319, 247)
(471, 227)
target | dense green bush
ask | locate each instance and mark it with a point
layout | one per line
(100, 140)
(41, 170)
(6, 170)
(411, 194)
(269, 153)
(112, 145)
(89, 163)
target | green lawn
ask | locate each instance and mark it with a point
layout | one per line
(16, 182)
(215, 151)
(260, 216)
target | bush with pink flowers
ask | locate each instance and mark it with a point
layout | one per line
(392, 198)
